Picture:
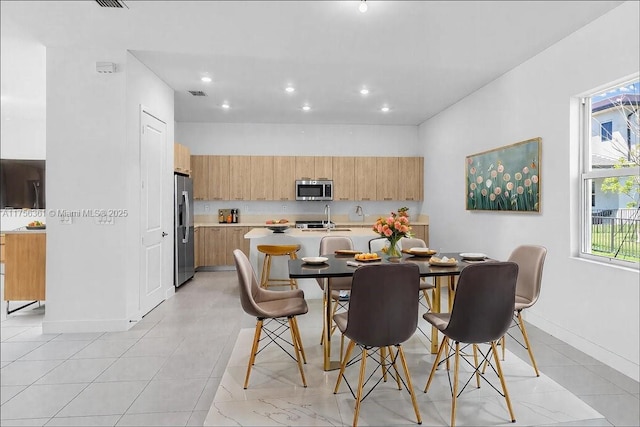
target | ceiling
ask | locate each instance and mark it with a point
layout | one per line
(415, 57)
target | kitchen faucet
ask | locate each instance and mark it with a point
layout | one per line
(327, 212)
(359, 212)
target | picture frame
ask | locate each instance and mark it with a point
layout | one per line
(505, 178)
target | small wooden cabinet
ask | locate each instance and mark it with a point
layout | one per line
(262, 178)
(240, 177)
(411, 188)
(343, 178)
(181, 159)
(284, 178)
(387, 178)
(201, 177)
(365, 178)
(25, 266)
(235, 240)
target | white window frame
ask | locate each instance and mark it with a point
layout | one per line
(586, 174)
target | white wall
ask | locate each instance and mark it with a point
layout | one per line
(93, 163)
(591, 306)
(22, 63)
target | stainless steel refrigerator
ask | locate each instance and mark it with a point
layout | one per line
(184, 266)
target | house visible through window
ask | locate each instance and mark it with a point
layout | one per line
(605, 131)
(610, 149)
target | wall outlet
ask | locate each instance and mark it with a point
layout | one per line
(67, 220)
(206, 208)
(284, 208)
(246, 208)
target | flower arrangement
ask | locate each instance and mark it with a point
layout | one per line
(393, 228)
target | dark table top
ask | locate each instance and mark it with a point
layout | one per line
(336, 266)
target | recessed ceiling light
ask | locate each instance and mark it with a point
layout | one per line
(306, 107)
(206, 79)
(225, 106)
(363, 6)
(385, 109)
(364, 91)
(290, 89)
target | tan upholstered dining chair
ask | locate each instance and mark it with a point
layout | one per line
(279, 307)
(530, 260)
(482, 312)
(383, 312)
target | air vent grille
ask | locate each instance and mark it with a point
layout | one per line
(112, 3)
(197, 93)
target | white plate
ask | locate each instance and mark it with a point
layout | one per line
(314, 260)
(473, 255)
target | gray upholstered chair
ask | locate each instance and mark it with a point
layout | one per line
(383, 312)
(267, 306)
(530, 260)
(328, 245)
(482, 312)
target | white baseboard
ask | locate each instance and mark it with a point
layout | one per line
(604, 355)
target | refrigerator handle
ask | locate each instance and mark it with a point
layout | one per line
(185, 195)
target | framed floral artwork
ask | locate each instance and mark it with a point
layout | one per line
(505, 178)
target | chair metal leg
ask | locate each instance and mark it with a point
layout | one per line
(343, 365)
(363, 366)
(454, 398)
(502, 382)
(254, 350)
(523, 329)
(435, 362)
(296, 344)
(409, 384)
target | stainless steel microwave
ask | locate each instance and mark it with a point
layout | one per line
(314, 190)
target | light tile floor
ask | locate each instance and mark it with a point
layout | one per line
(167, 368)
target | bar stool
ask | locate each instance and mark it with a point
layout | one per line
(269, 252)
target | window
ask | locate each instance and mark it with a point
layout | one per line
(611, 175)
(606, 130)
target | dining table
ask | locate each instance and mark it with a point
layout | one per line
(339, 265)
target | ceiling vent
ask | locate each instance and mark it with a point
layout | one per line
(112, 3)
(197, 93)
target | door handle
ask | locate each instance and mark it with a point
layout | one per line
(164, 234)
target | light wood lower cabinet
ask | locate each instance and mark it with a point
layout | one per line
(421, 232)
(25, 266)
(214, 245)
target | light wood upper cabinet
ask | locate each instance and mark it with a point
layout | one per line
(343, 178)
(200, 177)
(305, 167)
(323, 167)
(387, 178)
(240, 177)
(284, 178)
(273, 177)
(411, 169)
(181, 159)
(218, 178)
(365, 178)
(262, 178)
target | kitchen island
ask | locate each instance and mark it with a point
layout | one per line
(309, 241)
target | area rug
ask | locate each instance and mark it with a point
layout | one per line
(276, 397)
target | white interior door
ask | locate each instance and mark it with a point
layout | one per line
(153, 158)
